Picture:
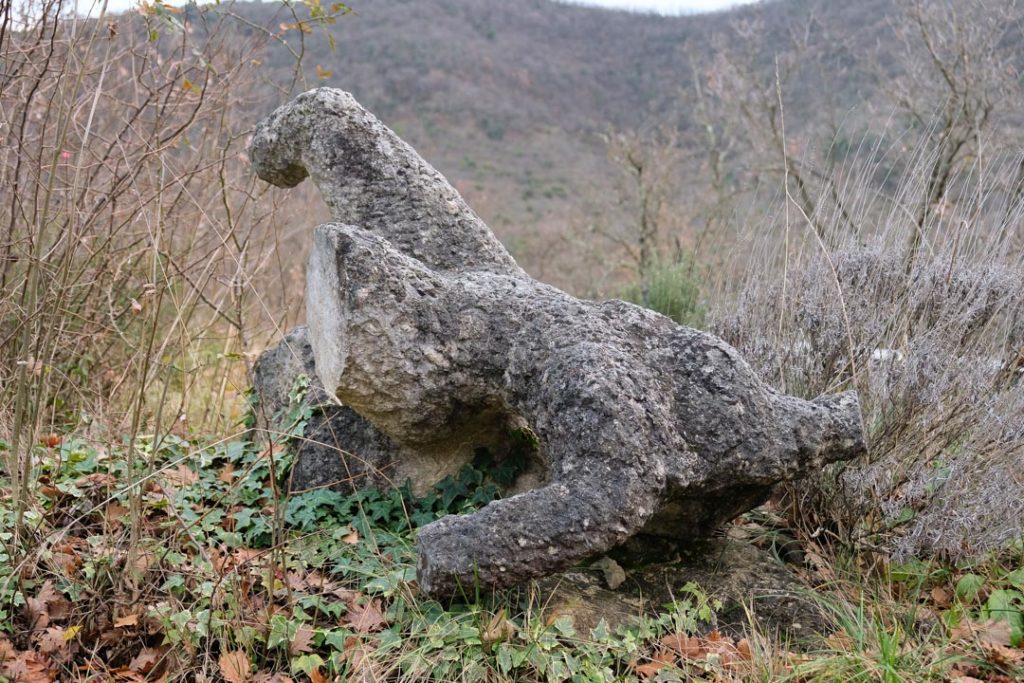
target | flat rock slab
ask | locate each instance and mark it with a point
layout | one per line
(742, 576)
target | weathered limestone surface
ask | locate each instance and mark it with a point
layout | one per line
(423, 324)
(339, 448)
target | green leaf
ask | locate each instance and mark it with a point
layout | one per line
(306, 663)
(336, 639)
(280, 632)
(563, 625)
(600, 633)
(1007, 605)
(968, 587)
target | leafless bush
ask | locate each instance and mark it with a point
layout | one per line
(131, 228)
(937, 353)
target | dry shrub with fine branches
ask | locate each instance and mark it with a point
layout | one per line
(938, 355)
(133, 235)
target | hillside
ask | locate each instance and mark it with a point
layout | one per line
(510, 100)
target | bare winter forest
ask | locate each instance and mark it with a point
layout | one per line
(836, 189)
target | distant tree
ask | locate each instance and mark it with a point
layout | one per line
(648, 160)
(957, 82)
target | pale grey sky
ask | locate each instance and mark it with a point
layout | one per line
(666, 6)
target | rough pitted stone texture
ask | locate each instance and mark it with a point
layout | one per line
(339, 448)
(370, 177)
(423, 324)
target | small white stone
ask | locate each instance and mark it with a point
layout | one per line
(435, 357)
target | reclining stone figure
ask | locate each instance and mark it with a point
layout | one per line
(423, 324)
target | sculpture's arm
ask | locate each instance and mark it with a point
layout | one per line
(607, 460)
(532, 534)
(370, 177)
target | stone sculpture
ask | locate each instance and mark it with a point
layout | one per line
(423, 325)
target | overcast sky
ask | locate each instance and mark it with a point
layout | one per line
(666, 6)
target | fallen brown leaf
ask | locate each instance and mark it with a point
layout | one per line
(53, 642)
(814, 556)
(51, 492)
(649, 670)
(6, 649)
(146, 559)
(144, 662)
(97, 480)
(235, 667)
(365, 618)
(29, 667)
(245, 555)
(499, 629)
(302, 641)
(1003, 656)
(744, 650)
(992, 632)
(316, 581)
(683, 645)
(660, 659)
(227, 473)
(47, 605)
(115, 514)
(346, 595)
(126, 621)
(308, 582)
(68, 560)
(941, 597)
(267, 677)
(181, 475)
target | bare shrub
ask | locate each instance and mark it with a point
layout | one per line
(937, 353)
(132, 230)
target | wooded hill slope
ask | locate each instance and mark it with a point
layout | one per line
(510, 100)
(534, 109)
